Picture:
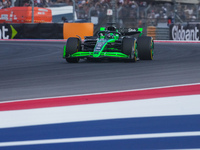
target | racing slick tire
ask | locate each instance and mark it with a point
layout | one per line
(73, 45)
(128, 48)
(145, 47)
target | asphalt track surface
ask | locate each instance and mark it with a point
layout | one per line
(36, 69)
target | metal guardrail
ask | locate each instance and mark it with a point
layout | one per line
(162, 33)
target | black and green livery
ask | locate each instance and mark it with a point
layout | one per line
(126, 44)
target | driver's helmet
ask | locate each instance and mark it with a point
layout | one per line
(110, 35)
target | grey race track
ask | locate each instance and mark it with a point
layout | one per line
(36, 69)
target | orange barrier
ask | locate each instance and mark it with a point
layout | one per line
(80, 29)
(151, 31)
(24, 15)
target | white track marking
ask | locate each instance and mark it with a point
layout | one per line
(101, 138)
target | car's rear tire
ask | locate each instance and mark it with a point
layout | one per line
(128, 48)
(73, 45)
(145, 47)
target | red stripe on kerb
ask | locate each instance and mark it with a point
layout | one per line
(102, 98)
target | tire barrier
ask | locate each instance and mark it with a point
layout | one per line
(151, 31)
(158, 33)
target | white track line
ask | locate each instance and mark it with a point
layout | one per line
(101, 138)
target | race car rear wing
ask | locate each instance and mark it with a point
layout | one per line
(131, 31)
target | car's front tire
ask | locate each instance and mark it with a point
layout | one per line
(73, 45)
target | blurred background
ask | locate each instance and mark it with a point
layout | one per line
(123, 13)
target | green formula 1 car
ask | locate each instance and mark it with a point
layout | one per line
(126, 44)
